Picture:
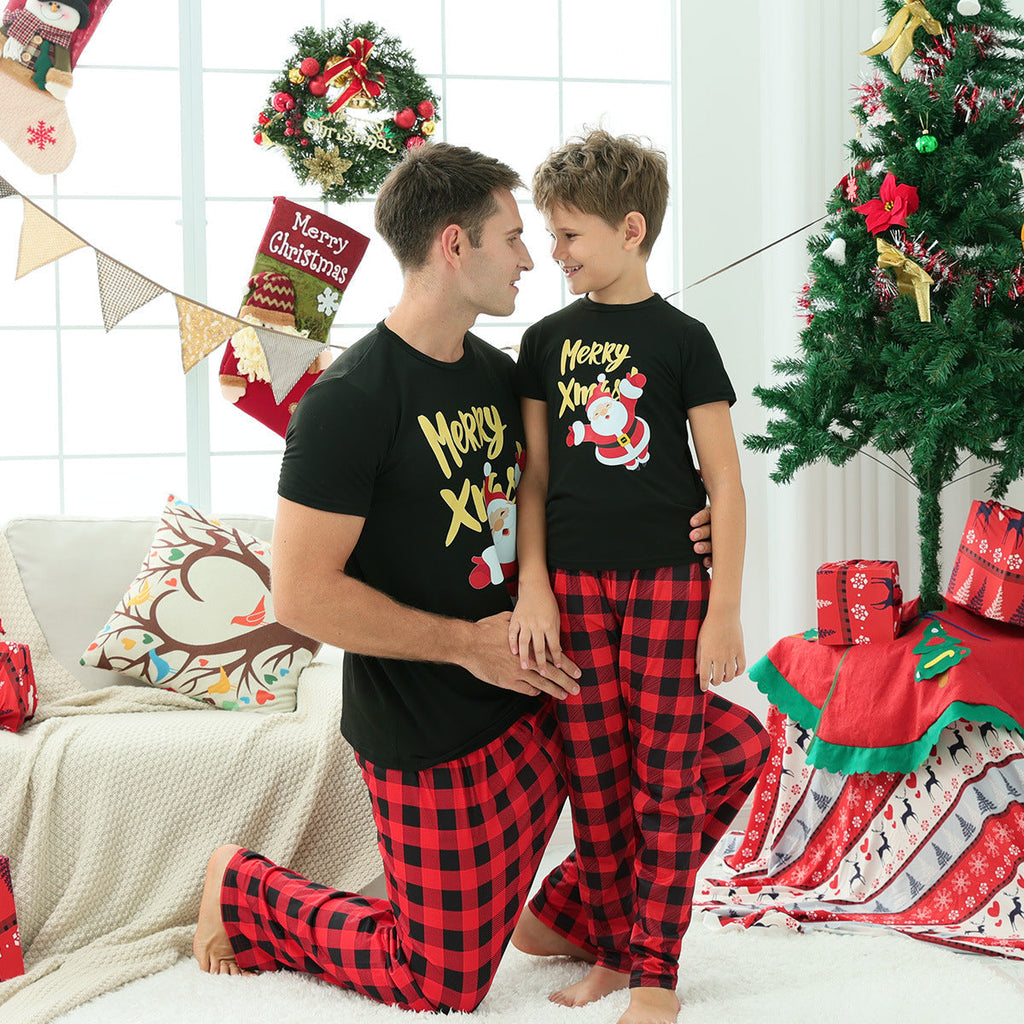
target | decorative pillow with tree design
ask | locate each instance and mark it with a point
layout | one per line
(198, 619)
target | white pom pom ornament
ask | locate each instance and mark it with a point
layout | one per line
(968, 8)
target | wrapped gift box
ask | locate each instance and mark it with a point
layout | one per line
(17, 685)
(988, 574)
(11, 961)
(859, 602)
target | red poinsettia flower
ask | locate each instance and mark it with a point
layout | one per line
(894, 204)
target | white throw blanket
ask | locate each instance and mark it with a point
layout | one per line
(111, 802)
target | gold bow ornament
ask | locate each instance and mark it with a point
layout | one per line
(911, 279)
(899, 36)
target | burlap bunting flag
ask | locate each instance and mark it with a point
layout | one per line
(202, 330)
(122, 290)
(7, 189)
(288, 358)
(43, 240)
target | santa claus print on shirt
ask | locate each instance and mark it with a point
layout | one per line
(620, 437)
(497, 564)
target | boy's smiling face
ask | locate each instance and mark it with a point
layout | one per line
(594, 256)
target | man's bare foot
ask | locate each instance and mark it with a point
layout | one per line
(651, 1006)
(598, 983)
(211, 945)
(536, 938)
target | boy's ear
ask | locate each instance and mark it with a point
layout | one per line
(635, 225)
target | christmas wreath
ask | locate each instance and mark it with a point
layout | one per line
(346, 107)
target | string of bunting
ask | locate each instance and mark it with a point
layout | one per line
(44, 239)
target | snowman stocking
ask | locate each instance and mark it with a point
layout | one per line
(40, 41)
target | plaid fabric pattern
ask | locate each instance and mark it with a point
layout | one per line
(460, 842)
(657, 768)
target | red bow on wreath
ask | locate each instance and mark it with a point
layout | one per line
(359, 78)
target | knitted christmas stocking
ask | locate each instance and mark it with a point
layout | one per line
(39, 46)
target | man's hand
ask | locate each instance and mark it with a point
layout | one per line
(701, 534)
(489, 658)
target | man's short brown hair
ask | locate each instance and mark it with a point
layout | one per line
(433, 186)
(606, 176)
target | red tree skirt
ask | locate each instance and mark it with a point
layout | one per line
(937, 853)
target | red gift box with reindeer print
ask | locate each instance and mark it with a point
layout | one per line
(988, 574)
(859, 602)
(12, 962)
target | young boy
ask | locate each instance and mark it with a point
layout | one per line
(657, 768)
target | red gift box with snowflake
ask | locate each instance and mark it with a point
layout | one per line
(859, 601)
(988, 574)
(12, 963)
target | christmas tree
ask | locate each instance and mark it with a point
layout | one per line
(913, 347)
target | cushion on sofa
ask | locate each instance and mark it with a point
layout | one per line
(198, 619)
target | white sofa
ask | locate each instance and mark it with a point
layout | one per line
(114, 796)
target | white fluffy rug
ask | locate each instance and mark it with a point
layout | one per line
(765, 976)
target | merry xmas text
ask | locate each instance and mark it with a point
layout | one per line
(609, 355)
(466, 432)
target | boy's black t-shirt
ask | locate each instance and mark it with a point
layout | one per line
(423, 450)
(618, 380)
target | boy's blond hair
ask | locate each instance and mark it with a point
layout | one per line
(606, 176)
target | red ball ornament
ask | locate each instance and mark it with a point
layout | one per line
(317, 85)
(258, 138)
(263, 119)
(413, 141)
(283, 101)
(310, 67)
(425, 109)
(405, 118)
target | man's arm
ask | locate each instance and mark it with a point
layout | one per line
(314, 596)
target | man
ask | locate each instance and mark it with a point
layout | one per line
(381, 522)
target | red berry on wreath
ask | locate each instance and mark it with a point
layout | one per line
(405, 118)
(317, 85)
(283, 101)
(310, 67)
(263, 119)
(258, 138)
(425, 109)
(413, 141)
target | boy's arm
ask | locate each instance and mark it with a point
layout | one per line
(720, 645)
(313, 595)
(534, 628)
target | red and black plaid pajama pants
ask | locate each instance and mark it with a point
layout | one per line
(461, 843)
(657, 768)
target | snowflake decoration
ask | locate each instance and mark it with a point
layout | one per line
(328, 301)
(862, 639)
(970, 536)
(1014, 561)
(824, 603)
(983, 546)
(858, 581)
(859, 612)
(42, 135)
(997, 555)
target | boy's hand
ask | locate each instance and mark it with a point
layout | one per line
(700, 534)
(720, 655)
(533, 632)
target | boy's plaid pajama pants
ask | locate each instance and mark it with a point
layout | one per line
(657, 768)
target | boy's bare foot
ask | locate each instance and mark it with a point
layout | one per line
(211, 945)
(598, 983)
(532, 936)
(651, 1006)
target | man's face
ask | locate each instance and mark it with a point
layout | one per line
(494, 267)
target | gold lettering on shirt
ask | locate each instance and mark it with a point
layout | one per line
(469, 431)
(607, 354)
(574, 395)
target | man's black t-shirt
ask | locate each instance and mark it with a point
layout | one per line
(427, 452)
(618, 380)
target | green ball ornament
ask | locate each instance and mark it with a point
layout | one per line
(927, 144)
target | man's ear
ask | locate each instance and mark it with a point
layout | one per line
(452, 240)
(635, 227)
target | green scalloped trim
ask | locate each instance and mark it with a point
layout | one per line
(774, 685)
(904, 757)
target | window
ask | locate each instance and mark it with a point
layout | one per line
(166, 179)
